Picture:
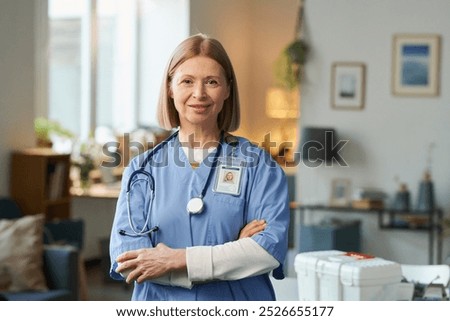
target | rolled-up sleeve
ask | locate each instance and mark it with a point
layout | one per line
(268, 199)
(121, 243)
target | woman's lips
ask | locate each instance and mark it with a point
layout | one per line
(199, 107)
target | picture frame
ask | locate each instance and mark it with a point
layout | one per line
(348, 85)
(340, 192)
(415, 64)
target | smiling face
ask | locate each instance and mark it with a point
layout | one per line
(198, 89)
(229, 176)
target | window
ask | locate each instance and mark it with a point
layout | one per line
(106, 59)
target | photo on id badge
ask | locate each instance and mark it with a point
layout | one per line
(228, 180)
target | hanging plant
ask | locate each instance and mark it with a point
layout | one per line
(297, 51)
(289, 64)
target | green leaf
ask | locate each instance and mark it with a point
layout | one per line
(289, 63)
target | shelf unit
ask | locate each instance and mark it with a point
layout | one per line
(431, 222)
(40, 182)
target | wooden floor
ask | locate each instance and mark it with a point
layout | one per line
(101, 288)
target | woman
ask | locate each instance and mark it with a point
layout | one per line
(209, 241)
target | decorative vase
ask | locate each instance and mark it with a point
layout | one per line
(425, 200)
(402, 199)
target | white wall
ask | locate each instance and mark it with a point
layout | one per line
(16, 81)
(390, 136)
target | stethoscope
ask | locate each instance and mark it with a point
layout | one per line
(195, 204)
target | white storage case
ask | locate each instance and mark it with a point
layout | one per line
(341, 276)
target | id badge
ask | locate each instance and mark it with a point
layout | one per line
(228, 179)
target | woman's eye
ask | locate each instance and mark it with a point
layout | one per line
(212, 82)
(186, 81)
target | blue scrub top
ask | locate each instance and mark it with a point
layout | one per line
(263, 195)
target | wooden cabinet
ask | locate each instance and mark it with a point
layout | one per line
(40, 182)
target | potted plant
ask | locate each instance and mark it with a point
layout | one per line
(45, 128)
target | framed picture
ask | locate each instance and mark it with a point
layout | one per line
(347, 85)
(340, 192)
(415, 65)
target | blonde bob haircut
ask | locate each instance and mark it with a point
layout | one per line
(228, 119)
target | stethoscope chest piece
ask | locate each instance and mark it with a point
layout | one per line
(195, 205)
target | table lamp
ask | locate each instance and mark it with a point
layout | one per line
(283, 104)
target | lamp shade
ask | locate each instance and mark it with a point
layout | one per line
(317, 144)
(282, 103)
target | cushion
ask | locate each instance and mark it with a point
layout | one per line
(21, 254)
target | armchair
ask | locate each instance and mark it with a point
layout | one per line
(61, 264)
(61, 272)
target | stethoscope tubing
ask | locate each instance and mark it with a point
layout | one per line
(147, 220)
(150, 180)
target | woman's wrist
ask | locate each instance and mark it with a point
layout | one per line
(178, 260)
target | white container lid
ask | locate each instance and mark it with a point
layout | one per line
(307, 261)
(353, 269)
(367, 272)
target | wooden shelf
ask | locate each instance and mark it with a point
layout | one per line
(405, 227)
(40, 182)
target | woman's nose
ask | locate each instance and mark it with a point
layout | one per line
(199, 91)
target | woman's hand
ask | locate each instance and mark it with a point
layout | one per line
(146, 264)
(252, 228)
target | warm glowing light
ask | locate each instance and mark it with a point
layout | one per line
(282, 103)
